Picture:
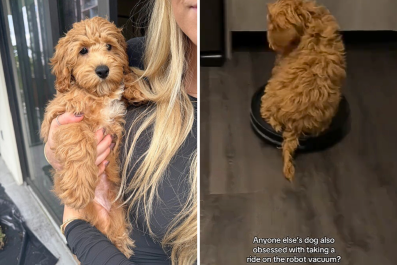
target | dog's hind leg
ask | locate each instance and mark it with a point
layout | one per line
(116, 227)
(75, 183)
(120, 229)
(290, 144)
(267, 114)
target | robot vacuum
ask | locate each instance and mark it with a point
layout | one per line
(339, 128)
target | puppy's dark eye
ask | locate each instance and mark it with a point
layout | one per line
(109, 47)
(84, 51)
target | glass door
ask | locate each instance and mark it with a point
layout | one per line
(89, 8)
(30, 45)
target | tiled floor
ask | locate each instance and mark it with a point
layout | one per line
(35, 217)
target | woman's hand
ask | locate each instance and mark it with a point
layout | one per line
(103, 148)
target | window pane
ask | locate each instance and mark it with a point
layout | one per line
(89, 8)
(87, 4)
(28, 38)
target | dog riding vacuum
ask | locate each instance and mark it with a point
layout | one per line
(339, 128)
(303, 95)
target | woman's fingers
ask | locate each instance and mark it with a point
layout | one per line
(100, 158)
(66, 118)
(104, 144)
(51, 157)
(63, 119)
(99, 135)
(102, 167)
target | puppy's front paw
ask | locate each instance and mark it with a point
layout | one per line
(75, 183)
(75, 194)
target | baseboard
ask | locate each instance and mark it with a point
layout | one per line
(258, 39)
(369, 37)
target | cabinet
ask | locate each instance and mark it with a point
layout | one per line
(212, 32)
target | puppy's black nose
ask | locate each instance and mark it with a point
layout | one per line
(102, 71)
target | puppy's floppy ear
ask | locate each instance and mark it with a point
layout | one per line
(60, 67)
(121, 39)
(292, 16)
(303, 11)
(123, 45)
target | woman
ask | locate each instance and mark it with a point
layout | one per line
(159, 155)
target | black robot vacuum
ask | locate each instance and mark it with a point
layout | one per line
(339, 128)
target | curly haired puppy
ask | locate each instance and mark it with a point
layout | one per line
(92, 73)
(304, 92)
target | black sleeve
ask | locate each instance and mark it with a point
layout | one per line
(92, 247)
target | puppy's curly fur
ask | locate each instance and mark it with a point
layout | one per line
(80, 89)
(304, 92)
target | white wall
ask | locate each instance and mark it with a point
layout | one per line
(8, 145)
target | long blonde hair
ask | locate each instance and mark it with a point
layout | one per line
(172, 118)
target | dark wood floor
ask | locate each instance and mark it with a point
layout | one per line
(348, 192)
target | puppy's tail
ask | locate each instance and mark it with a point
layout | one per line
(290, 144)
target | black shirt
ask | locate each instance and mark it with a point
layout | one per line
(92, 247)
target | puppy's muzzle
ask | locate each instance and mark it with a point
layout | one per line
(102, 71)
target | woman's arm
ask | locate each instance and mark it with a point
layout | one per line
(92, 247)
